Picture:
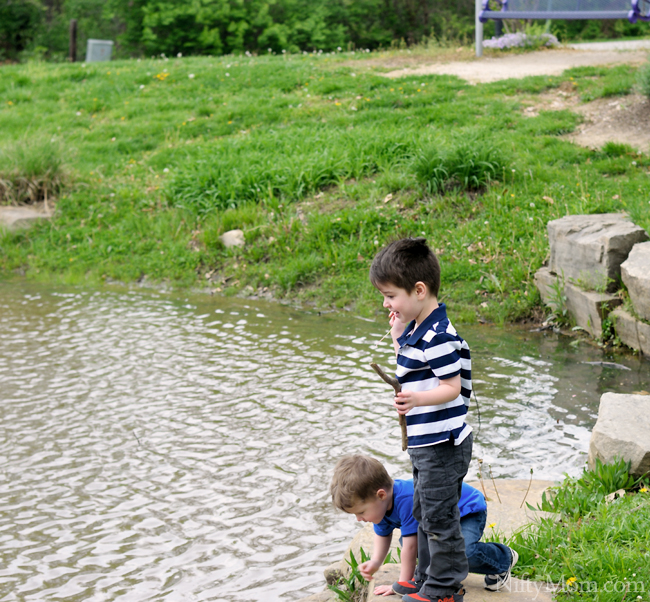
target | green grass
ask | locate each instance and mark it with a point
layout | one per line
(594, 549)
(320, 160)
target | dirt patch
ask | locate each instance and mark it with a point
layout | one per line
(623, 119)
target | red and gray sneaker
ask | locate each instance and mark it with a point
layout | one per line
(407, 587)
(457, 597)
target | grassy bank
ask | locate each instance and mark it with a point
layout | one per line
(319, 159)
(595, 544)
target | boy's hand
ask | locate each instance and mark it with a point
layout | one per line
(396, 325)
(384, 590)
(404, 401)
(369, 568)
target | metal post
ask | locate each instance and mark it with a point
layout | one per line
(73, 40)
(478, 28)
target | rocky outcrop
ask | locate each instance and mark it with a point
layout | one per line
(589, 249)
(590, 254)
(621, 431)
(635, 272)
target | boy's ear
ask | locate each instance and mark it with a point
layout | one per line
(421, 289)
(382, 494)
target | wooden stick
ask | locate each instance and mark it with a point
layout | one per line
(393, 382)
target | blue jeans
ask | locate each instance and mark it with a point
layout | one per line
(484, 558)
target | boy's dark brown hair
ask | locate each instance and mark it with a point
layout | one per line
(405, 262)
(356, 479)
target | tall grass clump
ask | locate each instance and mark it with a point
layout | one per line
(30, 173)
(643, 79)
(466, 166)
(229, 173)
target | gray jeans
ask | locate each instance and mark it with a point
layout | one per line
(438, 472)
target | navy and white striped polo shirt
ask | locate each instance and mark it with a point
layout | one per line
(431, 353)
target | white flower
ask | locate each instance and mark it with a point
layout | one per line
(142, 87)
(166, 170)
(179, 55)
(227, 74)
(78, 113)
(191, 76)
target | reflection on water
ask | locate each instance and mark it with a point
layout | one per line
(155, 447)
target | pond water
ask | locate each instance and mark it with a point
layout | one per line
(176, 447)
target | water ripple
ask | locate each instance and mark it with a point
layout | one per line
(166, 448)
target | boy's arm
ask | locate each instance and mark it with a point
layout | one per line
(380, 549)
(409, 555)
(447, 390)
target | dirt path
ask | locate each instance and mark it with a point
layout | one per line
(615, 119)
(546, 62)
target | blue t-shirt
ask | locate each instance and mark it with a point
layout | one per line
(401, 514)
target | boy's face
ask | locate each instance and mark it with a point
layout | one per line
(373, 509)
(405, 306)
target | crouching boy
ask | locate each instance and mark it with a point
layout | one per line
(361, 486)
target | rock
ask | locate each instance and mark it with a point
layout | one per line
(632, 332)
(589, 249)
(635, 272)
(643, 330)
(14, 218)
(625, 326)
(621, 431)
(587, 308)
(232, 238)
(334, 572)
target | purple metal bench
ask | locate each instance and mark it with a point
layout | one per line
(566, 9)
(632, 10)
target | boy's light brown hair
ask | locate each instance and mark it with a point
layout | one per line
(356, 479)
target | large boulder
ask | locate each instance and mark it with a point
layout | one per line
(635, 272)
(632, 332)
(589, 249)
(621, 431)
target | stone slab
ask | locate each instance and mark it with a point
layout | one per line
(643, 331)
(15, 218)
(625, 326)
(519, 591)
(589, 249)
(621, 430)
(506, 510)
(588, 308)
(635, 273)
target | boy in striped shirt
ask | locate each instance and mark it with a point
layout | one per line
(434, 369)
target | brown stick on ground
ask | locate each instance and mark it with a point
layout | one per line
(393, 382)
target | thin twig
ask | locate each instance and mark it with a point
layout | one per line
(380, 340)
(393, 382)
(527, 490)
(480, 476)
(493, 483)
(137, 439)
